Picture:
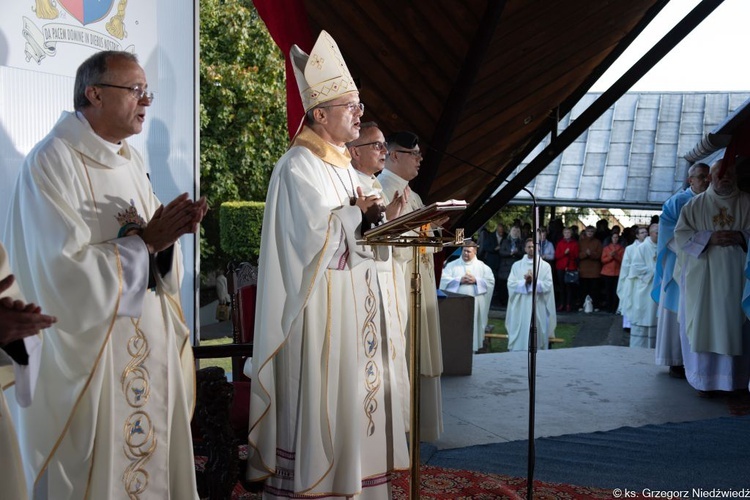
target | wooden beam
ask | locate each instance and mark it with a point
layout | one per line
(474, 221)
(454, 105)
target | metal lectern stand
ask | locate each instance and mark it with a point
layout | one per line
(400, 232)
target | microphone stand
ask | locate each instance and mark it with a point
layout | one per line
(533, 347)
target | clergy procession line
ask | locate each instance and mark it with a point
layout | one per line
(102, 371)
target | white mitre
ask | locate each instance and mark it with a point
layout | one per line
(322, 76)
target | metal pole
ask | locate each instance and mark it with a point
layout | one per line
(414, 373)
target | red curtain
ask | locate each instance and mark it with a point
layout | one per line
(287, 23)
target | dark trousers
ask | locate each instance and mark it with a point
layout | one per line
(611, 301)
(567, 290)
(592, 288)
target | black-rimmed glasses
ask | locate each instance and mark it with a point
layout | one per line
(415, 154)
(351, 106)
(376, 145)
(136, 91)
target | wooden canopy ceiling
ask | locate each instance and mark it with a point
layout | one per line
(480, 81)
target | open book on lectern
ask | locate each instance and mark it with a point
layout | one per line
(413, 221)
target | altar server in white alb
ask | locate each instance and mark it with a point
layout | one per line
(470, 276)
(518, 316)
(642, 312)
(20, 348)
(90, 243)
(712, 234)
(325, 410)
(625, 283)
(401, 166)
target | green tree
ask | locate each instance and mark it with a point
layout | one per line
(242, 111)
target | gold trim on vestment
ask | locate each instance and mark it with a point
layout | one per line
(321, 148)
(370, 344)
(138, 431)
(251, 445)
(91, 373)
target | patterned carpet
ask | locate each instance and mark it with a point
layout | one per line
(448, 484)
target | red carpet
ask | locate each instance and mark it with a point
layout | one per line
(448, 484)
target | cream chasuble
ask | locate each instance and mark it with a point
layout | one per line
(625, 283)
(641, 272)
(450, 280)
(325, 410)
(111, 414)
(518, 315)
(712, 276)
(642, 313)
(396, 322)
(431, 398)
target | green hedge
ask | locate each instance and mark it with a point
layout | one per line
(240, 223)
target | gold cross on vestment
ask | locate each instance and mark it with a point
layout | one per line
(723, 218)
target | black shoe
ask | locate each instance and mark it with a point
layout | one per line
(677, 371)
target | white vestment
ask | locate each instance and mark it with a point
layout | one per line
(450, 280)
(431, 398)
(111, 414)
(666, 290)
(642, 307)
(24, 378)
(387, 279)
(518, 315)
(325, 416)
(625, 283)
(712, 279)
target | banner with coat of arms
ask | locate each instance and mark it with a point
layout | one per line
(55, 36)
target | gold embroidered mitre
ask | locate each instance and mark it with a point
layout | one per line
(321, 76)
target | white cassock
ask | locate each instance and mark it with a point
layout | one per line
(23, 380)
(325, 411)
(666, 290)
(482, 290)
(642, 313)
(625, 283)
(110, 417)
(518, 315)
(387, 273)
(713, 325)
(431, 399)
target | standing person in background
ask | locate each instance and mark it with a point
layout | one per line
(711, 236)
(401, 166)
(612, 256)
(520, 286)
(590, 266)
(325, 408)
(90, 243)
(666, 291)
(566, 259)
(624, 283)
(19, 325)
(498, 257)
(546, 248)
(470, 276)
(643, 308)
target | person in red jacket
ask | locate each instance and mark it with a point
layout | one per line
(566, 259)
(611, 261)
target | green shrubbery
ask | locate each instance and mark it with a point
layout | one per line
(240, 223)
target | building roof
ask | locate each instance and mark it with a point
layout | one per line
(633, 155)
(483, 81)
